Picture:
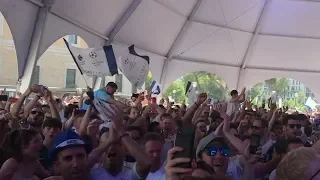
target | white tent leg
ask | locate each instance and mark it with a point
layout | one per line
(251, 43)
(35, 44)
(177, 41)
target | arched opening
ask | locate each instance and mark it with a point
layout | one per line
(207, 82)
(284, 91)
(57, 70)
(8, 58)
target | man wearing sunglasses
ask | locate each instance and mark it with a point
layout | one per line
(215, 150)
(35, 118)
(292, 126)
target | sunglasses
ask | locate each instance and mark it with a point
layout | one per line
(255, 127)
(212, 151)
(36, 112)
(295, 125)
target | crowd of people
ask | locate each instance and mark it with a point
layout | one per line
(48, 139)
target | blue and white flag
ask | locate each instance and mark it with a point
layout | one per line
(155, 88)
(94, 61)
(310, 103)
(133, 66)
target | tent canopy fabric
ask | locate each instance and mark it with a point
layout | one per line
(244, 42)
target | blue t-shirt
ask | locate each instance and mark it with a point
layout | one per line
(100, 94)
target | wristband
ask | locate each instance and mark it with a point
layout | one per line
(123, 135)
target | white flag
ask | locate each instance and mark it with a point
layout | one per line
(94, 61)
(191, 93)
(104, 109)
(133, 66)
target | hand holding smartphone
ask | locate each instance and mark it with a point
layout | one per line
(185, 140)
(254, 143)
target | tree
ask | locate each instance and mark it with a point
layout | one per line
(281, 87)
(148, 80)
(179, 89)
(209, 83)
(255, 91)
(206, 82)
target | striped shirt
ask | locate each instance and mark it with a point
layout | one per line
(126, 174)
(160, 174)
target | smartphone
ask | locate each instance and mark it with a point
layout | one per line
(79, 112)
(254, 143)
(185, 140)
(3, 97)
(42, 88)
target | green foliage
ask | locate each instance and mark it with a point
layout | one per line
(280, 85)
(148, 80)
(179, 89)
(255, 91)
(206, 82)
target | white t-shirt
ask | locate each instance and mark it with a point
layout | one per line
(235, 170)
(160, 174)
(126, 174)
(232, 107)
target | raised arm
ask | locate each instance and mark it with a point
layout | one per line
(85, 121)
(187, 118)
(143, 162)
(52, 104)
(18, 105)
(28, 107)
(236, 142)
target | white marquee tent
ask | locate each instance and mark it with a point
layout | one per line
(242, 41)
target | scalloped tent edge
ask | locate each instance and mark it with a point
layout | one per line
(263, 54)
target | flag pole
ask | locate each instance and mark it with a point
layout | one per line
(75, 61)
(85, 80)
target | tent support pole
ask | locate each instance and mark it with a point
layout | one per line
(36, 40)
(177, 41)
(252, 42)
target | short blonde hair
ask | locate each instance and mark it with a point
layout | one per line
(295, 165)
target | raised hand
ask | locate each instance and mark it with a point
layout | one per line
(47, 95)
(250, 158)
(202, 98)
(226, 122)
(93, 127)
(172, 171)
(116, 118)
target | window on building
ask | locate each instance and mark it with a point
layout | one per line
(71, 78)
(118, 81)
(73, 39)
(35, 75)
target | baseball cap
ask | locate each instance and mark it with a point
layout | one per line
(206, 140)
(67, 139)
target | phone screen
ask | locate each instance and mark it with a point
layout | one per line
(185, 140)
(254, 143)
(3, 97)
